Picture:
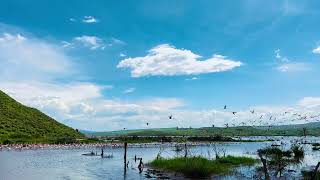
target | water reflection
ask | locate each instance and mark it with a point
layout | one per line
(70, 164)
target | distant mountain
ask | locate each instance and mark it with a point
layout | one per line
(22, 124)
(282, 130)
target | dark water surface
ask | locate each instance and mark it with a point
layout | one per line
(70, 164)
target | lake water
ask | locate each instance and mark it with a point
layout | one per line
(70, 164)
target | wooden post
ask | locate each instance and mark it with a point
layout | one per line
(125, 157)
(304, 131)
(186, 150)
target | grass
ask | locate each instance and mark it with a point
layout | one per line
(22, 124)
(297, 151)
(235, 161)
(199, 167)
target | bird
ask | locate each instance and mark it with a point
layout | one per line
(170, 117)
(252, 111)
(225, 107)
(147, 124)
(234, 113)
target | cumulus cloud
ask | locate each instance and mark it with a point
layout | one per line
(89, 19)
(88, 108)
(316, 50)
(166, 60)
(22, 57)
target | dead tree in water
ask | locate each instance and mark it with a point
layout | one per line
(265, 169)
(125, 156)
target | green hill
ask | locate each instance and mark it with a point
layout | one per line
(313, 129)
(22, 124)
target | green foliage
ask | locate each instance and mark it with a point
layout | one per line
(22, 124)
(276, 160)
(217, 131)
(236, 160)
(297, 151)
(199, 167)
(307, 175)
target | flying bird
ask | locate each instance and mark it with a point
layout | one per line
(234, 113)
(170, 117)
(225, 107)
(252, 111)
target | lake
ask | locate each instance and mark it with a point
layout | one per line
(70, 164)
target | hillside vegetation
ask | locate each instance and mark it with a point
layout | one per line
(312, 129)
(22, 124)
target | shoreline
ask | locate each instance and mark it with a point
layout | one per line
(20, 147)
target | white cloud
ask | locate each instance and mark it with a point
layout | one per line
(84, 105)
(280, 58)
(67, 44)
(293, 67)
(122, 55)
(277, 52)
(310, 102)
(91, 42)
(28, 57)
(166, 60)
(316, 50)
(89, 19)
(117, 41)
(192, 79)
(285, 65)
(130, 90)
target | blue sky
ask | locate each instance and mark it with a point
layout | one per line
(106, 65)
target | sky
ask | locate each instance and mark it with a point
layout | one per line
(108, 65)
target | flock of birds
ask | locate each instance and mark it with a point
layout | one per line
(271, 119)
(266, 119)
